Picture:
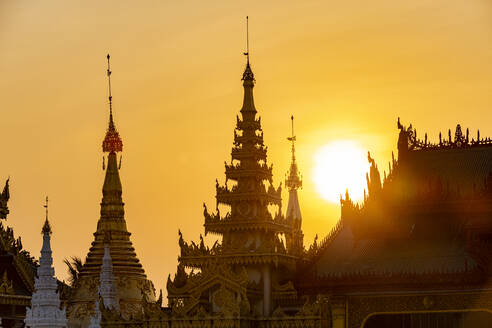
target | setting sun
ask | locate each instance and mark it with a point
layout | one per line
(340, 165)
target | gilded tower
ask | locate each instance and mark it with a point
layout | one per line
(130, 278)
(249, 271)
(293, 182)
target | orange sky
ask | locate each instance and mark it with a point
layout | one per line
(345, 69)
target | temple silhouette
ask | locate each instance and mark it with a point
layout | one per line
(416, 252)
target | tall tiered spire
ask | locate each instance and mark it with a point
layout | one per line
(251, 232)
(45, 310)
(294, 182)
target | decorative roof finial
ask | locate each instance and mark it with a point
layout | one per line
(109, 89)
(293, 180)
(247, 39)
(112, 142)
(46, 207)
(46, 227)
(248, 73)
(292, 139)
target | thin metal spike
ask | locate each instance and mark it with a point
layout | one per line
(46, 207)
(109, 88)
(247, 39)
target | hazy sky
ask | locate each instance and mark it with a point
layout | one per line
(345, 69)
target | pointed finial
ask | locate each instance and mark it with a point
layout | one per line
(248, 73)
(247, 39)
(292, 139)
(292, 119)
(46, 227)
(293, 180)
(109, 89)
(46, 207)
(112, 142)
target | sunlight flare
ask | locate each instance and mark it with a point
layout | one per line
(340, 165)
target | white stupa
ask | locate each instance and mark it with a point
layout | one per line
(107, 289)
(45, 310)
(107, 285)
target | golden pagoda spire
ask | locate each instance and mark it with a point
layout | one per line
(293, 181)
(112, 210)
(111, 232)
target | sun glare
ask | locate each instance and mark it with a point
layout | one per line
(340, 165)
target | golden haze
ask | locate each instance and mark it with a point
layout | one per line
(346, 70)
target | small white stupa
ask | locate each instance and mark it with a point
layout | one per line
(107, 285)
(45, 310)
(107, 289)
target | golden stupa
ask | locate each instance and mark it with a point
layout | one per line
(132, 283)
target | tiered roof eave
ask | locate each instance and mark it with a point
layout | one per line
(217, 225)
(235, 173)
(200, 261)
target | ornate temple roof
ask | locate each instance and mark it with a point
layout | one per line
(347, 256)
(458, 164)
(17, 270)
(429, 217)
(18, 265)
(462, 169)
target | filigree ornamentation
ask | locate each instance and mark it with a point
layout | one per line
(226, 302)
(24, 263)
(460, 140)
(6, 286)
